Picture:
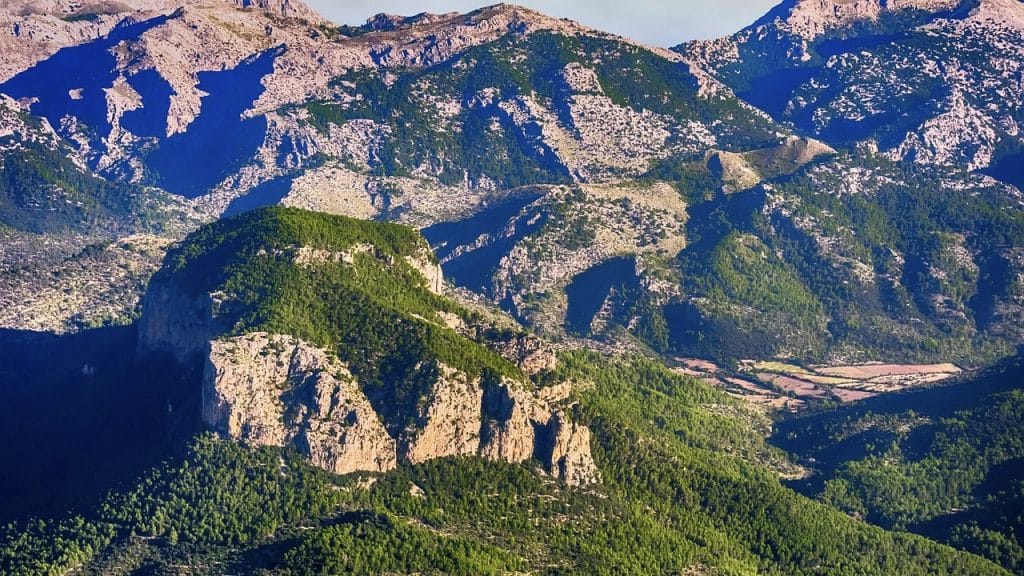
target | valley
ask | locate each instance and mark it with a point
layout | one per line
(496, 292)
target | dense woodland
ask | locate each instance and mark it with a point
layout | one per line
(688, 481)
(944, 462)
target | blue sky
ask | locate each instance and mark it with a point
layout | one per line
(658, 22)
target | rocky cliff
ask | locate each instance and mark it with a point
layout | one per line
(389, 380)
(278, 391)
(268, 390)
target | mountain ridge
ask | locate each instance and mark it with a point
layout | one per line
(349, 284)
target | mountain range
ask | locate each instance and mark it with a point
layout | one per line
(443, 279)
(537, 154)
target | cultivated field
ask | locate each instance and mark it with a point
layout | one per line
(782, 386)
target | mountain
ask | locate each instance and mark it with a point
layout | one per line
(591, 186)
(930, 82)
(329, 335)
(285, 297)
(185, 78)
(326, 351)
(75, 248)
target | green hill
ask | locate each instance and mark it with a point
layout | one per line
(688, 484)
(943, 462)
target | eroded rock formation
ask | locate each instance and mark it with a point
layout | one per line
(272, 390)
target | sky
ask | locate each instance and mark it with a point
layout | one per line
(656, 22)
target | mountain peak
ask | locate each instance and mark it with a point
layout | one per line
(386, 22)
(86, 9)
(489, 18)
(287, 8)
(812, 18)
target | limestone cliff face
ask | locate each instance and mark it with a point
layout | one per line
(452, 420)
(812, 18)
(511, 419)
(279, 391)
(271, 390)
(430, 269)
(570, 457)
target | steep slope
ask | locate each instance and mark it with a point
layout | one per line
(934, 82)
(942, 462)
(591, 186)
(328, 335)
(74, 247)
(849, 258)
(43, 189)
(688, 487)
(33, 30)
(473, 94)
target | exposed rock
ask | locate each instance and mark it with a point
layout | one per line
(184, 43)
(270, 390)
(430, 269)
(509, 424)
(174, 322)
(94, 287)
(570, 458)
(949, 70)
(451, 420)
(812, 18)
(530, 353)
(278, 391)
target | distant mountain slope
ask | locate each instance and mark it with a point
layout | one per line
(508, 97)
(848, 258)
(592, 186)
(932, 81)
(944, 462)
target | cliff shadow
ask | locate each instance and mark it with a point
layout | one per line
(81, 415)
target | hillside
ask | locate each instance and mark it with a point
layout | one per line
(925, 81)
(361, 446)
(498, 293)
(944, 462)
(379, 367)
(541, 158)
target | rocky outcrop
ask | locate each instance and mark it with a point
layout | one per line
(279, 391)
(511, 416)
(271, 390)
(451, 420)
(948, 70)
(812, 18)
(530, 353)
(286, 8)
(430, 269)
(570, 458)
(177, 323)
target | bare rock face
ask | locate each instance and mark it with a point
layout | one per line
(511, 419)
(286, 8)
(452, 420)
(530, 353)
(279, 391)
(430, 269)
(178, 324)
(271, 390)
(812, 18)
(570, 458)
